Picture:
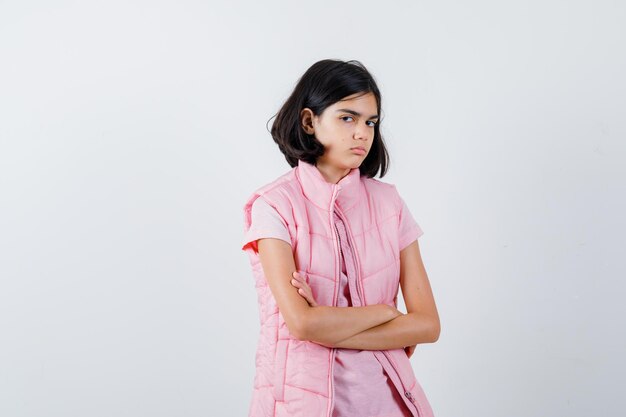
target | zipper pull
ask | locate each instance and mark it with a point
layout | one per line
(409, 396)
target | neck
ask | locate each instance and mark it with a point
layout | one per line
(332, 174)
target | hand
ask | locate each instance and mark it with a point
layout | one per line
(395, 312)
(409, 350)
(303, 288)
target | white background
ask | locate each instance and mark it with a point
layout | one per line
(131, 134)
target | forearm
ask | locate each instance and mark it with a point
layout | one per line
(327, 325)
(405, 330)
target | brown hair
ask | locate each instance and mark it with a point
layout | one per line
(323, 84)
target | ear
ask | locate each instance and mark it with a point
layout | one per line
(306, 120)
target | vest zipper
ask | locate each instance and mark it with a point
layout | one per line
(335, 296)
(406, 392)
(357, 265)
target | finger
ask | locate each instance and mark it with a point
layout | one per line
(306, 296)
(299, 277)
(295, 282)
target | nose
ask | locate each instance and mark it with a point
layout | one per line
(362, 132)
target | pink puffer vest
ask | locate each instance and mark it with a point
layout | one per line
(293, 377)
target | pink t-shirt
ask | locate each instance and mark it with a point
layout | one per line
(361, 385)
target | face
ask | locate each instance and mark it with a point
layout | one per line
(341, 128)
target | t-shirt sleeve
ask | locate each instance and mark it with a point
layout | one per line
(409, 229)
(265, 221)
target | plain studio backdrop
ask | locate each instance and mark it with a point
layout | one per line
(133, 132)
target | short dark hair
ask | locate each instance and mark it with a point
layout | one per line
(323, 84)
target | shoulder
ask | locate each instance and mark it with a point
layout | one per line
(272, 189)
(277, 194)
(384, 192)
(261, 208)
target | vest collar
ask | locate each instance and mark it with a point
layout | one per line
(323, 193)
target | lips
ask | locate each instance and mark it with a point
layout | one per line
(359, 150)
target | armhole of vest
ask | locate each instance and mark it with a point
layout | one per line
(398, 202)
(247, 211)
(259, 192)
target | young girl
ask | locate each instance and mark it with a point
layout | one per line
(329, 247)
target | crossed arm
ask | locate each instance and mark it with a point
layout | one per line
(372, 327)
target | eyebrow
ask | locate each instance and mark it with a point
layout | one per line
(356, 113)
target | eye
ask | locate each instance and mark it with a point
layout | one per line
(346, 117)
(374, 123)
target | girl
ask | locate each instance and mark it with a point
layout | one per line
(329, 246)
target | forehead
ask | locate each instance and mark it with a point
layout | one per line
(360, 100)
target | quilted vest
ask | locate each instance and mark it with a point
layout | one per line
(294, 377)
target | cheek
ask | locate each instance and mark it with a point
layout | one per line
(341, 133)
(331, 136)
